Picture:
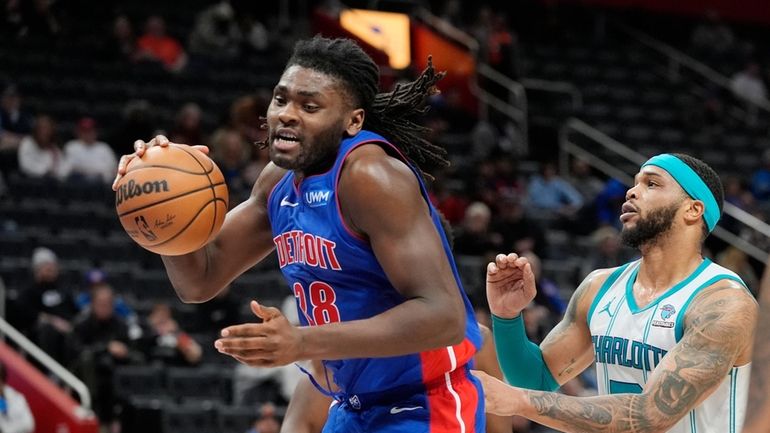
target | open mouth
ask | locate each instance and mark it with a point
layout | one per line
(285, 140)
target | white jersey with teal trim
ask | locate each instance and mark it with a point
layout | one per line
(630, 341)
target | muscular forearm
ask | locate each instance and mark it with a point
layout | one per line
(521, 360)
(414, 326)
(758, 409)
(603, 414)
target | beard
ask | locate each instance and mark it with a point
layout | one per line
(312, 154)
(650, 228)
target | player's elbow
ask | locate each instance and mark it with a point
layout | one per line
(190, 294)
(452, 326)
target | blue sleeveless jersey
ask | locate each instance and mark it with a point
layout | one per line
(335, 276)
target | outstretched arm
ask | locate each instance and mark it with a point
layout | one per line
(758, 410)
(565, 352)
(718, 331)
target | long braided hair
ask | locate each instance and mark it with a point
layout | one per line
(391, 114)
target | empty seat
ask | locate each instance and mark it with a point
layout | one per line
(236, 419)
(190, 418)
(199, 384)
(138, 381)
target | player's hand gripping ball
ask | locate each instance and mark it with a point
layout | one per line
(172, 200)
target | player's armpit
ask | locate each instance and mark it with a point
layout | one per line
(244, 240)
(568, 349)
(719, 326)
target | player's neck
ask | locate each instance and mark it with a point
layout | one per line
(666, 262)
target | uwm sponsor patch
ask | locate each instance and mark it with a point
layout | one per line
(132, 189)
(318, 198)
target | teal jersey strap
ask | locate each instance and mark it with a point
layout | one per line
(520, 359)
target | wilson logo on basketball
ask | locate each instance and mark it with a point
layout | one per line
(132, 189)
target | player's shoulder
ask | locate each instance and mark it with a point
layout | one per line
(598, 277)
(267, 180)
(369, 168)
(725, 293)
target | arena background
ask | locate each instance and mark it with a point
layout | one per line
(547, 110)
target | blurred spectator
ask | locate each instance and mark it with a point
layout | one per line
(12, 21)
(155, 45)
(164, 341)
(231, 155)
(187, 127)
(218, 313)
(121, 44)
(474, 237)
(260, 157)
(102, 343)
(584, 181)
(607, 251)
(137, 122)
(737, 261)
(216, 33)
(609, 202)
(449, 198)
(502, 48)
(548, 292)
(15, 416)
(245, 113)
(519, 233)
(748, 86)
(267, 421)
(760, 181)
(39, 153)
(452, 12)
(46, 308)
(86, 158)
(256, 38)
(97, 277)
(551, 193)
(712, 38)
(38, 20)
(15, 121)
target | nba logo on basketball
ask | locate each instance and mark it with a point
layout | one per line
(317, 198)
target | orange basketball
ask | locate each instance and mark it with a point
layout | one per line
(172, 200)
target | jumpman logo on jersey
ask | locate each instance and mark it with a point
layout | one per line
(607, 308)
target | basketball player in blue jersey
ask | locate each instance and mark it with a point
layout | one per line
(670, 334)
(344, 206)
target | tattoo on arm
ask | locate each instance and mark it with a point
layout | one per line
(563, 334)
(715, 335)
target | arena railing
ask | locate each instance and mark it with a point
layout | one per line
(513, 106)
(69, 379)
(678, 59)
(570, 148)
(564, 87)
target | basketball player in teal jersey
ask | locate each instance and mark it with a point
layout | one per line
(671, 333)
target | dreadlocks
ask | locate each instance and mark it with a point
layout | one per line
(391, 114)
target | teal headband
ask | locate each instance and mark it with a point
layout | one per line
(691, 183)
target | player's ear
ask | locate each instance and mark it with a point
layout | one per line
(694, 212)
(355, 122)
